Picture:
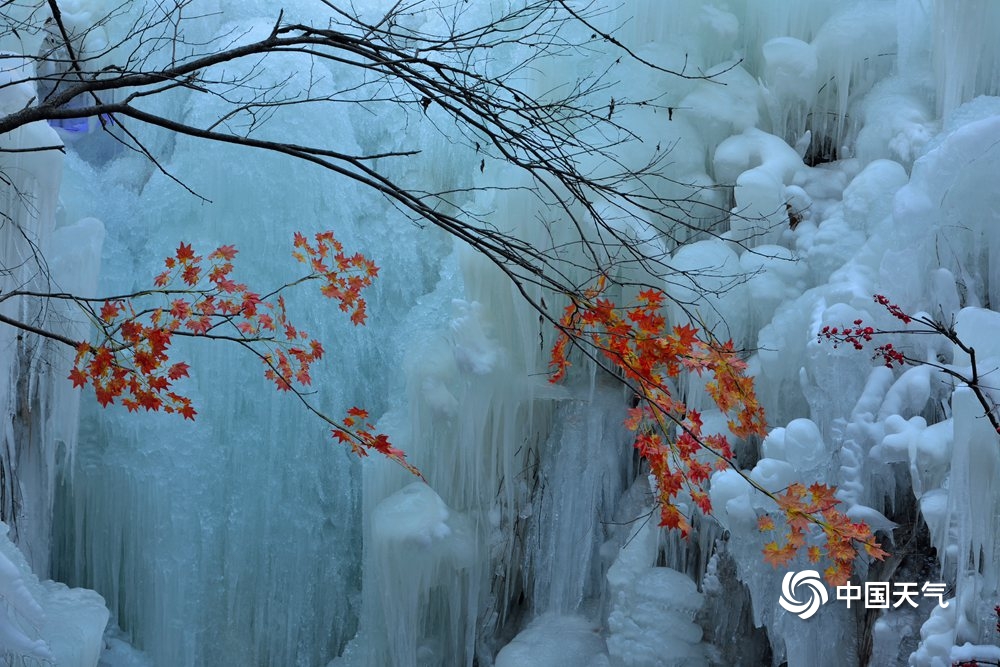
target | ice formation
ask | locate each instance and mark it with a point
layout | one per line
(46, 622)
(856, 145)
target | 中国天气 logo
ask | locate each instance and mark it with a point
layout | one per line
(807, 583)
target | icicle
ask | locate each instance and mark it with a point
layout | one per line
(965, 53)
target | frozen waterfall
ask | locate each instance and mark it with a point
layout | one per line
(840, 149)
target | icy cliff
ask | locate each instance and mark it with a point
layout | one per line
(840, 149)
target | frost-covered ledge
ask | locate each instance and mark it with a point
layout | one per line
(46, 620)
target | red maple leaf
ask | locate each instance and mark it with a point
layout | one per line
(226, 252)
(185, 253)
(78, 378)
(178, 370)
(109, 311)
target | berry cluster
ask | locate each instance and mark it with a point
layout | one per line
(853, 336)
(860, 334)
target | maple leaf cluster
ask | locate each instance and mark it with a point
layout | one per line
(194, 296)
(838, 539)
(198, 297)
(343, 276)
(639, 344)
(360, 436)
(134, 366)
(669, 437)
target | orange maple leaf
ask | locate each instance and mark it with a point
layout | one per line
(776, 555)
(185, 253)
(765, 522)
(838, 574)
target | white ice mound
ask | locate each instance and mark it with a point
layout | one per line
(790, 68)
(46, 620)
(422, 552)
(800, 444)
(651, 623)
(552, 640)
(414, 517)
(475, 351)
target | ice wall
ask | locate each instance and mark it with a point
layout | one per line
(235, 540)
(29, 203)
(850, 149)
(857, 150)
(39, 252)
(473, 559)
